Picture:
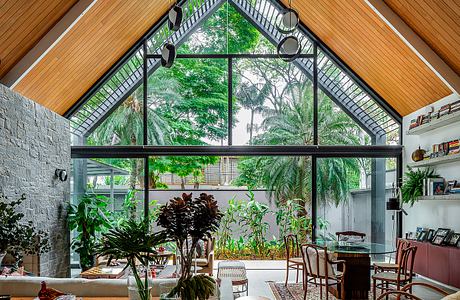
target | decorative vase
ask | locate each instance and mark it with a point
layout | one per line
(418, 154)
(140, 286)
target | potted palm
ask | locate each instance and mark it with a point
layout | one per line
(132, 241)
(187, 221)
(17, 237)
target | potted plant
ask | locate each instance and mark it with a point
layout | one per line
(18, 237)
(412, 187)
(187, 221)
(89, 218)
(132, 241)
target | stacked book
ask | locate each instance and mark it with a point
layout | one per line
(455, 106)
(454, 147)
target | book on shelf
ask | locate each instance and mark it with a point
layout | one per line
(444, 110)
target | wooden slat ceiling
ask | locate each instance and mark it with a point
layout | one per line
(436, 22)
(350, 28)
(366, 44)
(88, 50)
(23, 23)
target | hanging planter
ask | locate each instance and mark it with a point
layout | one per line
(289, 48)
(168, 55)
(175, 16)
(288, 21)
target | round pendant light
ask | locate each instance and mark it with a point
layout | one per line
(168, 54)
(175, 18)
(287, 21)
(289, 48)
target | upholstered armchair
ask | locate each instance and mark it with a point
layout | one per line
(206, 261)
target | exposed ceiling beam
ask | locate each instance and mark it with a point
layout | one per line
(52, 37)
(417, 44)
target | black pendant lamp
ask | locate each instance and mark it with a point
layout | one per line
(175, 17)
(288, 20)
(168, 55)
(289, 48)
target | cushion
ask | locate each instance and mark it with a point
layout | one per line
(455, 296)
(201, 262)
(319, 270)
(25, 286)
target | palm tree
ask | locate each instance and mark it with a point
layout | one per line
(289, 178)
(252, 97)
(124, 126)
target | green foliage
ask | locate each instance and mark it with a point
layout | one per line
(132, 241)
(252, 215)
(412, 187)
(17, 237)
(200, 287)
(89, 218)
(186, 221)
(290, 218)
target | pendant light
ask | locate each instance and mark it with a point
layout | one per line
(168, 55)
(288, 20)
(289, 48)
(175, 16)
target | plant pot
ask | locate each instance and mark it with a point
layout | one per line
(135, 294)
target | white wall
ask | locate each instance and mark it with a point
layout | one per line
(433, 214)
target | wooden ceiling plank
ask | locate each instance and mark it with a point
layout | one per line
(423, 51)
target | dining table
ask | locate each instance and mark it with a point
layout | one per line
(357, 257)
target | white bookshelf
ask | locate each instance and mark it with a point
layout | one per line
(435, 161)
(446, 120)
(449, 197)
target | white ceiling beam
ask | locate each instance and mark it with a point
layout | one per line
(413, 40)
(52, 37)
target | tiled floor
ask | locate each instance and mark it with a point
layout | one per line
(259, 272)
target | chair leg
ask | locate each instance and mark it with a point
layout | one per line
(374, 289)
(321, 288)
(297, 276)
(326, 284)
(287, 273)
(305, 288)
(387, 289)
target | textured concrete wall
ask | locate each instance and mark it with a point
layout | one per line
(34, 142)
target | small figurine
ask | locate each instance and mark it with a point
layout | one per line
(48, 293)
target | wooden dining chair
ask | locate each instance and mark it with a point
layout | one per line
(319, 265)
(404, 294)
(389, 266)
(293, 258)
(402, 276)
(350, 235)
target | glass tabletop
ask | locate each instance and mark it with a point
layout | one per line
(357, 247)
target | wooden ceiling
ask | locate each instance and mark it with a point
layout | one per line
(23, 23)
(370, 47)
(88, 50)
(350, 28)
(437, 22)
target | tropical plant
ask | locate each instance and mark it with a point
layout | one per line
(291, 219)
(18, 237)
(186, 221)
(412, 187)
(89, 218)
(132, 241)
(225, 233)
(252, 220)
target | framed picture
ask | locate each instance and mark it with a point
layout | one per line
(422, 236)
(410, 235)
(430, 235)
(438, 240)
(441, 236)
(454, 239)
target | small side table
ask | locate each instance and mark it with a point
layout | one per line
(236, 271)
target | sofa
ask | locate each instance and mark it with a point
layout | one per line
(25, 286)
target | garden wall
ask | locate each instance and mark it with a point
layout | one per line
(34, 142)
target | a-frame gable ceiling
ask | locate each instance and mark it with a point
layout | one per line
(23, 23)
(350, 28)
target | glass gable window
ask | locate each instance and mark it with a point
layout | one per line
(230, 114)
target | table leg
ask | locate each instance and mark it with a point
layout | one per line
(357, 277)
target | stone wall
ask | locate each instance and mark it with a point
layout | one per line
(34, 142)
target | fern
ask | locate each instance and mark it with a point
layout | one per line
(412, 187)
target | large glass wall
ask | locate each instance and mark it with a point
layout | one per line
(209, 118)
